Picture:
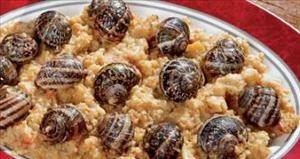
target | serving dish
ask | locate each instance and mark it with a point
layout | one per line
(211, 25)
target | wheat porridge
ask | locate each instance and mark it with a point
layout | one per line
(109, 84)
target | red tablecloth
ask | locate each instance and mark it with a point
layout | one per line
(281, 38)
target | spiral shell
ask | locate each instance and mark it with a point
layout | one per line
(8, 72)
(63, 124)
(111, 18)
(53, 28)
(14, 106)
(61, 72)
(226, 57)
(19, 48)
(220, 134)
(163, 141)
(114, 83)
(116, 132)
(261, 106)
(173, 36)
(180, 79)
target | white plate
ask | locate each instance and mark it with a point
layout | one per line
(277, 68)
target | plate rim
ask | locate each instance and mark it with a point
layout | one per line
(284, 69)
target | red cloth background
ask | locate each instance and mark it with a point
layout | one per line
(268, 29)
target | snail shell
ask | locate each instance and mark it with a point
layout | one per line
(261, 106)
(219, 136)
(226, 57)
(173, 36)
(8, 72)
(63, 124)
(14, 106)
(180, 79)
(114, 83)
(53, 29)
(116, 132)
(19, 48)
(163, 141)
(61, 72)
(111, 18)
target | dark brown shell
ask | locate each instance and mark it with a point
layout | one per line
(226, 57)
(163, 141)
(14, 106)
(111, 18)
(180, 79)
(8, 72)
(219, 136)
(63, 124)
(173, 36)
(61, 72)
(114, 83)
(116, 132)
(19, 48)
(53, 28)
(261, 106)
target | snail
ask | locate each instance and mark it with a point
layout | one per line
(173, 36)
(116, 132)
(14, 106)
(61, 72)
(260, 105)
(19, 48)
(8, 72)
(63, 124)
(111, 18)
(114, 83)
(163, 140)
(53, 28)
(220, 134)
(226, 57)
(180, 79)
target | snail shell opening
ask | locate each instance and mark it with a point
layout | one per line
(220, 134)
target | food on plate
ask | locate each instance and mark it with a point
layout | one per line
(114, 82)
(261, 106)
(19, 48)
(100, 89)
(180, 79)
(163, 140)
(220, 135)
(224, 58)
(173, 36)
(111, 19)
(116, 132)
(61, 72)
(53, 28)
(62, 124)
(14, 106)
(8, 72)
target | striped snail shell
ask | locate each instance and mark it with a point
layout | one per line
(163, 140)
(116, 132)
(180, 79)
(220, 134)
(19, 48)
(111, 18)
(14, 106)
(261, 105)
(114, 83)
(61, 72)
(63, 124)
(53, 28)
(173, 36)
(226, 57)
(8, 72)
